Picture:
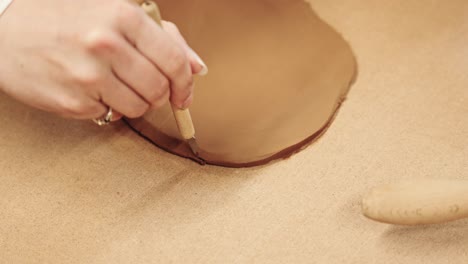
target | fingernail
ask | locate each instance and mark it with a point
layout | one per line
(204, 70)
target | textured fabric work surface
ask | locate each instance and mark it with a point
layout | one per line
(74, 193)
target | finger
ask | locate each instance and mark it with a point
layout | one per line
(197, 64)
(73, 104)
(116, 116)
(122, 99)
(136, 71)
(163, 51)
(82, 109)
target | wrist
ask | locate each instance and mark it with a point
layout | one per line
(4, 4)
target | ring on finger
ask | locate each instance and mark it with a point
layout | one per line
(104, 120)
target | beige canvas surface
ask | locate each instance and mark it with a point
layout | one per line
(71, 192)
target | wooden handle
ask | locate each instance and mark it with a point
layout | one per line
(182, 116)
(418, 202)
(184, 122)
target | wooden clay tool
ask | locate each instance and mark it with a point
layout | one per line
(418, 202)
(182, 116)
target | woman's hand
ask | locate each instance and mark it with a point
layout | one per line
(76, 58)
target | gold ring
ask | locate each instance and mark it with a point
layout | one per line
(105, 120)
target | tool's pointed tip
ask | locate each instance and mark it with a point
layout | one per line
(193, 146)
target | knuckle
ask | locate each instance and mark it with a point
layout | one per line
(163, 99)
(98, 40)
(189, 84)
(73, 107)
(128, 13)
(164, 83)
(88, 77)
(178, 61)
(158, 90)
(186, 88)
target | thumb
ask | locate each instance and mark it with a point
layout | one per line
(198, 66)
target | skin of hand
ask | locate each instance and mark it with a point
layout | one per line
(77, 57)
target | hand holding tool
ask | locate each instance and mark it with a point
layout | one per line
(182, 116)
